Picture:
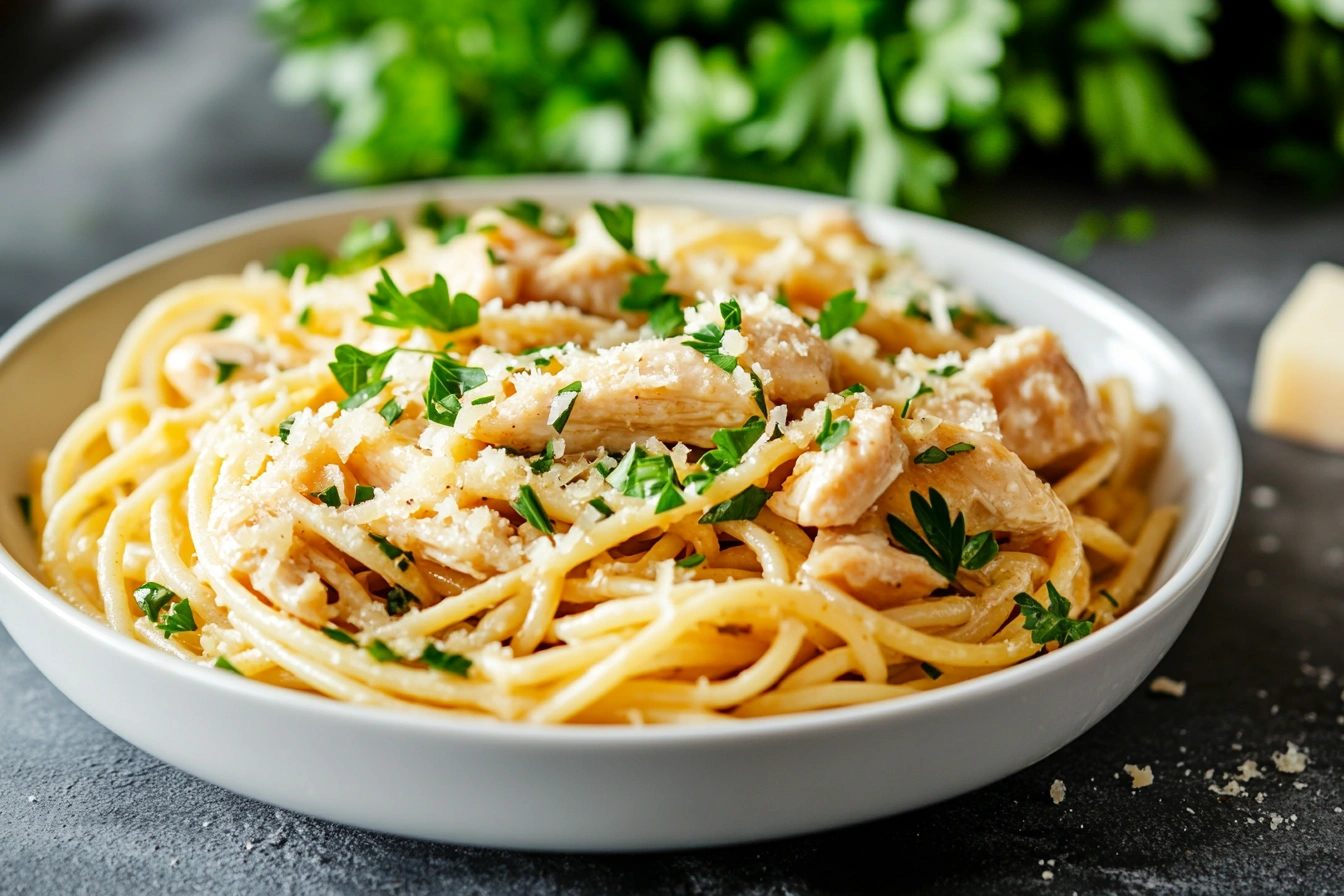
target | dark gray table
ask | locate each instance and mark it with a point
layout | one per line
(125, 122)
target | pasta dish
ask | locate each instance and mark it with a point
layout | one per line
(624, 466)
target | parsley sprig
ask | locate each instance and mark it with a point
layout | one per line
(445, 226)
(448, 379)
(562, 405)
(430, 306)
(832, 433)
(644, 475)
(1051, 623)
(359, 373)
(708, 340)
(647, 293)
(840, 312)
(619, 220)
(946, 548)
(935, 455)
(525, 210)
(530, 508)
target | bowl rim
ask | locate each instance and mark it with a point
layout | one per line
(1221, 439)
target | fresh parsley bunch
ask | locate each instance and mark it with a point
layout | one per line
(887, 100)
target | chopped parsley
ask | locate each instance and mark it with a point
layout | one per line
(947, 547)
(529, 507)
(758, 393)
(362, 493)
(644, 475)
(452, 663)
(445, 227)
(545, 460)
(922, 390)
(447, 381)
(1110, 598)
(854, 389)
(709, 342)
(915, 310)
(732, 314)
(359, 374)
(330, 496)
(646, 294)
(691, 562)
(1052, 623)
(152, 597)
(732, 446)
(178, 620)
(223, 322)
(490, 256)
(284, 429)
(222, 662)
(831, 433)
(379, 650)
(311, 257)
(746, 505)
(601, 507)
(399, 600)
(390, 411)
(224, 370)
(931, 670)
(524, 210)
(619, 222)
(339, 636)
(935, 455)
(484, 399)
(947, 371)
(430, 306)
(305, 316)
(562, 404)
(390, 551)
(365, 244)
(26, 508)
(840, 312)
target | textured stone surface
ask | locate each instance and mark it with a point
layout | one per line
(124, 122)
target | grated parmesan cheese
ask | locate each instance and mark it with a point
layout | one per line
(1168, 686)
(1140, 777)
(1292, 761)
(1057, 790)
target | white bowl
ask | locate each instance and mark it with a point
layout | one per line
(592, 788)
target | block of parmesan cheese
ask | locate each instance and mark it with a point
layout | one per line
(1299, 372)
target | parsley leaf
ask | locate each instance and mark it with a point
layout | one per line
(645, 293)
(1053, 623)
(601, 507)
(840, 312)
(946, 548)
(562, 404)
(709, 342)
(854, 389)
(355, 370)
(26, 508)
(305, 316)
(379, 650)
(284, 429)
(452, 663)
(311, 257)
(915, 310)
(831, 434)
(339, 636)
(619, 222)
(179, 620)
(935, 455)
(524, 210)
(529, 507)
(732, 314)
(733, 445)
(152, 597)
(390, 411)
(399, 600)
(949, 370)
(365, 244)
(545, 460)
(430, 306)
(222, 662)
(758, 393)
(1110, 598)
(445, 227)
(691, 562)
(922, 390)
(362, 493)
(330, 496)
(931, 670)
(223, 322)
(390, 551)
(225, 370)
(746, 505)
(447, 381)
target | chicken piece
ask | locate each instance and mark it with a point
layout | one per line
(515, 329)
(195, 364)
(956, 397)
(780, 341)
(654, 388)
(1045, 413)
(990, 484)
(590, 275)
(834, 488)
(862, 560)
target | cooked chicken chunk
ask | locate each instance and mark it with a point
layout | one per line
(199, 362)
(834, 488)
(862, 560)
(990, 484)
(518, 328)
(653, 388)
(1045, 412)
(798, 360)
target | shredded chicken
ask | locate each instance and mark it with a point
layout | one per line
(863, 561)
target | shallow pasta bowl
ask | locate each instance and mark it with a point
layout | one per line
(598, 788)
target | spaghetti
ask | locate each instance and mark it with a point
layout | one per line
(644, 468)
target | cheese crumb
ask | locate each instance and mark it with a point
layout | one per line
(1169, 686)
(1231, 788)
(1047, 875)
(1248, 770)
(1057, 791)
(1141, 777)
(1290, 761)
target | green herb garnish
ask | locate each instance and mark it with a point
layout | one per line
(545, 460)
(330, 496)
(339, 636)
(284, 429)
(224, 370)
(1109, 597)
(399, 600)
(529, 507)
(452, 663)
(178, 620)
(758, 393)
(946, 548)
(305, 316)
(152, 597)
(619, 222)
(26, 508)
(223, 322)
(645, 294)
(922, 390)
(311, 257)
(430, 307)
(831, 434)
(931, 670)
(447, 381)
(947, 371)
(362, 493)
(935, 455)
(222, 662)
(524, 210)
(365, 244)
(1052, 623)
(709, 342)
(445, 227)
(601, 507)
(746, 505)
(562, 404)
(379, 650)
(840, 312)
(390, 411)
(691, 562)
